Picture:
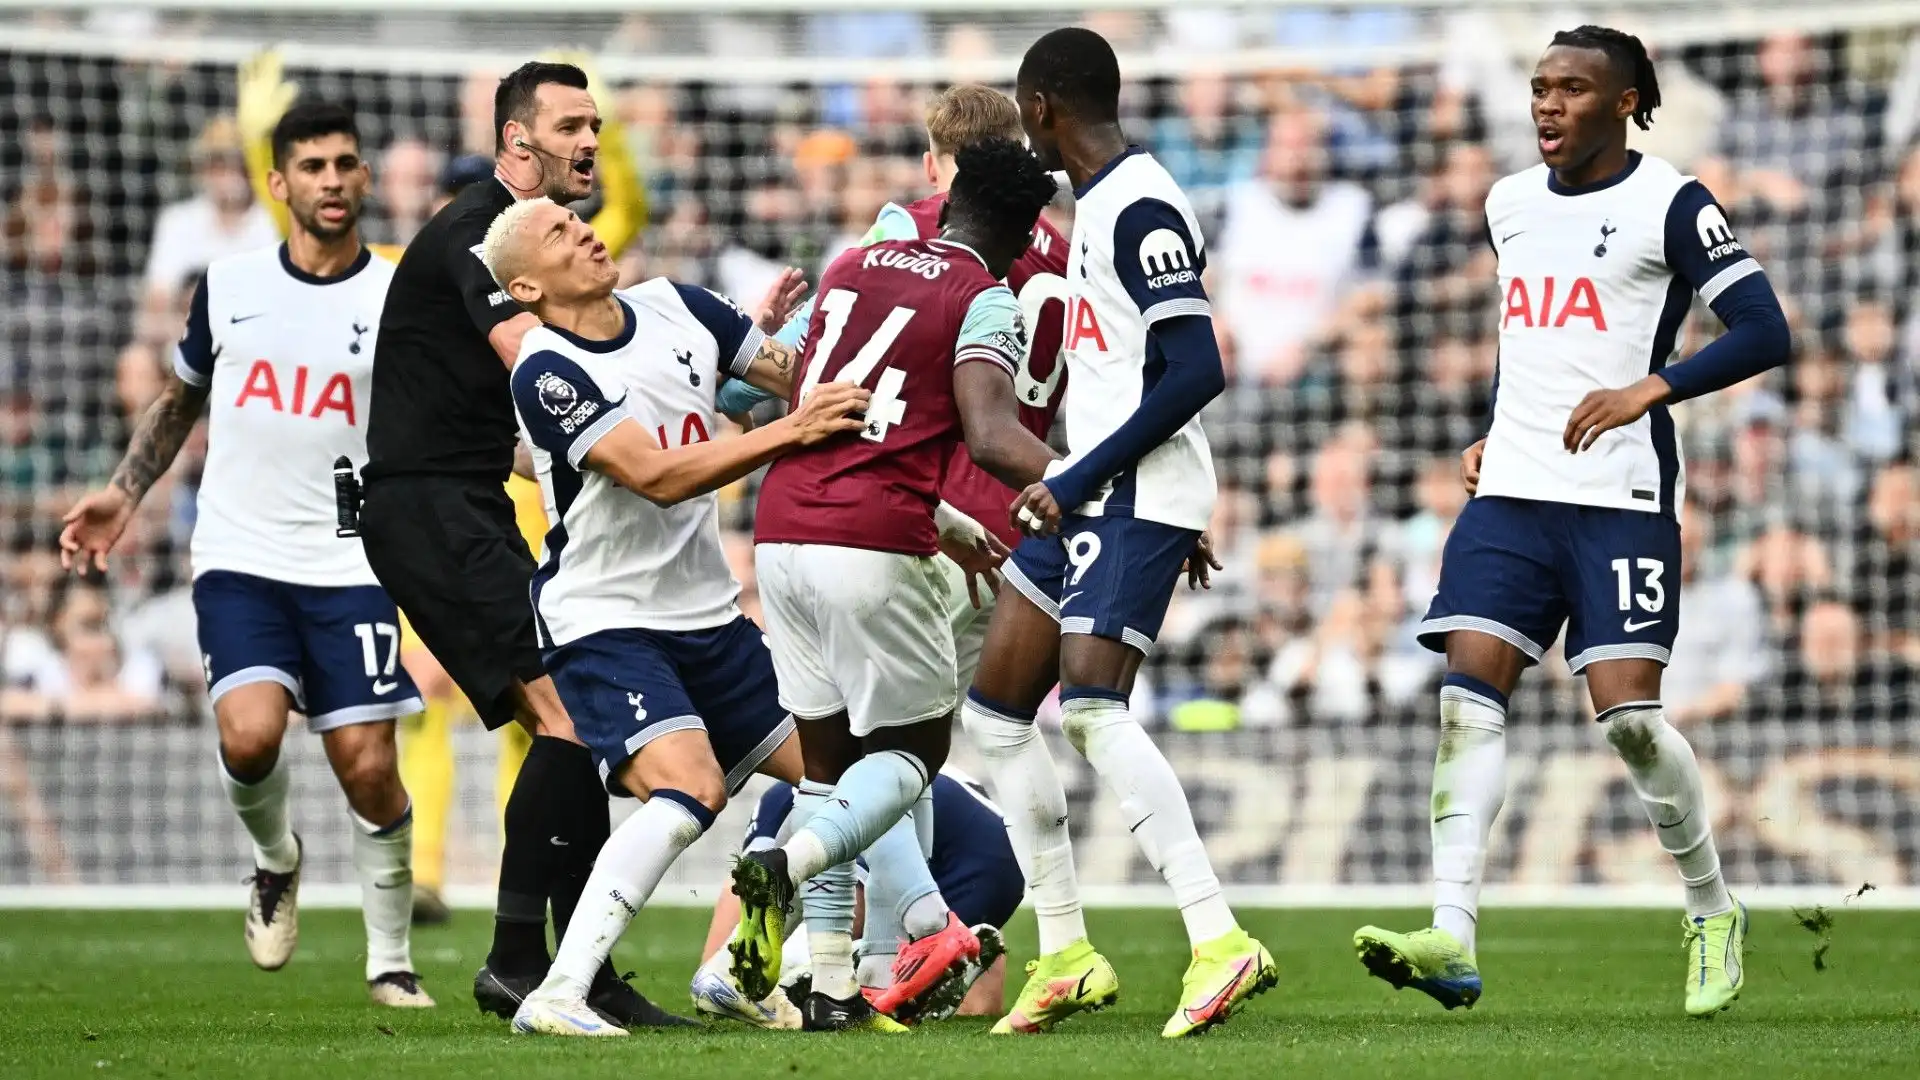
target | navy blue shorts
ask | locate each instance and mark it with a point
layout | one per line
(1520, 570)
(335, 648)
(972, 861)
(626, 688)
(1111, 577)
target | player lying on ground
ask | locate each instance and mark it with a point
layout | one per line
(1112, 528)
(668, 684)
(289, 615)
(1572, 520)
(973, 864)
(846, 540)
(963, 116)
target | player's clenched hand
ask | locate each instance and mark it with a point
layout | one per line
(980, 556)
(828, 411)
(1603, 410)
(1036, 512)
(92, 527)
(1470, 465)
(1202, 563)
(782, 297)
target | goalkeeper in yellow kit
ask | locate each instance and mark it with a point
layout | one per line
(426, 738)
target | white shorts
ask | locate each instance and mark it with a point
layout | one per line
(969, 623)
(863, 631)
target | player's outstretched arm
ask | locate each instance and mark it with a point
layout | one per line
(262, 97)
(95, 523)
(630, 456)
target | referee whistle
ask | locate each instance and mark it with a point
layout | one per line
(346, 498)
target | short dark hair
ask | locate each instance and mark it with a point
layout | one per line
(310, 120)
(999, 187)
(518, 94)
(1076, 67)
(1628, 57)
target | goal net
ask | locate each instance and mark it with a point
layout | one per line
(1338, 153)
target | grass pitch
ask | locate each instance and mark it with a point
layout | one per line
(1569, 994)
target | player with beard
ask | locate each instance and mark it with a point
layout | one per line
(290, 616)
(439, 529)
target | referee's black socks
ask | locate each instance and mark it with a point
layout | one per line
(556, 822)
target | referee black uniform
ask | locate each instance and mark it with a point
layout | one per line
(437, 524)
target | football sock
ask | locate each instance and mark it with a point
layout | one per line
(261, 803)
(630, 867)
(880, 936)
(1469, 785)
(535, 832)
(426, 771)
(1666, 776)
(383, 860)
(1096, 721)
(871, 797)
(896, 868)
(586, 831)
(1029, 791)
(826, 902)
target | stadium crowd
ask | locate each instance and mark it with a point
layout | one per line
(1356, 305)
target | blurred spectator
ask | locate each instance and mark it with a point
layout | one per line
(1210, 144)
(1440, 494)
(408, 181)
(1342, 525)
(765, 240)
(1721, 647)
(1291, 252)
(47, 227)
(1880, 386)
(1820, 465)
(221, 220)
(1358, 665)
(1834, 677)
(1231, 691)
(865, 35)
(1790, 568)
(1885, 580)
(1796, 138)
(85, 672)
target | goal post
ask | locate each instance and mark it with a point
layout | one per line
(1290, 699)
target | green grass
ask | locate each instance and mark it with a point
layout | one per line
(1569, 994)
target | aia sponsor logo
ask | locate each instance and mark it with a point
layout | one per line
(265, 388)
(1551, 303)
(1083, 326)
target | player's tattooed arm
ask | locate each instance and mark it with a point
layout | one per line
(772, 368)
(158, 438)
(94, 524)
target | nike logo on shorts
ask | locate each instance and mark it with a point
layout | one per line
(385, 686)
(1633, 626)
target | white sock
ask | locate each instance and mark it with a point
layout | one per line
(1469, 786)
(1029, 791)
(630, 866)
(1155, 806)
(832, 952)
(875, 968)
(383, 860)
(1666, 776)
(263, 810)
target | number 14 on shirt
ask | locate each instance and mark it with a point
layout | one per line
(886, 408)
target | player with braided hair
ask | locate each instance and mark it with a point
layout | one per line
(1575, 490)
(847, 536)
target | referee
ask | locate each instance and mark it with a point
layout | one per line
(439, 529)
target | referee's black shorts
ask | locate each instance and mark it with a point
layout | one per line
(449, 552)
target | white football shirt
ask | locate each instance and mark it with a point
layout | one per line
(287, 358)
(1135, 258)
(615, 560)
(1595, 284)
